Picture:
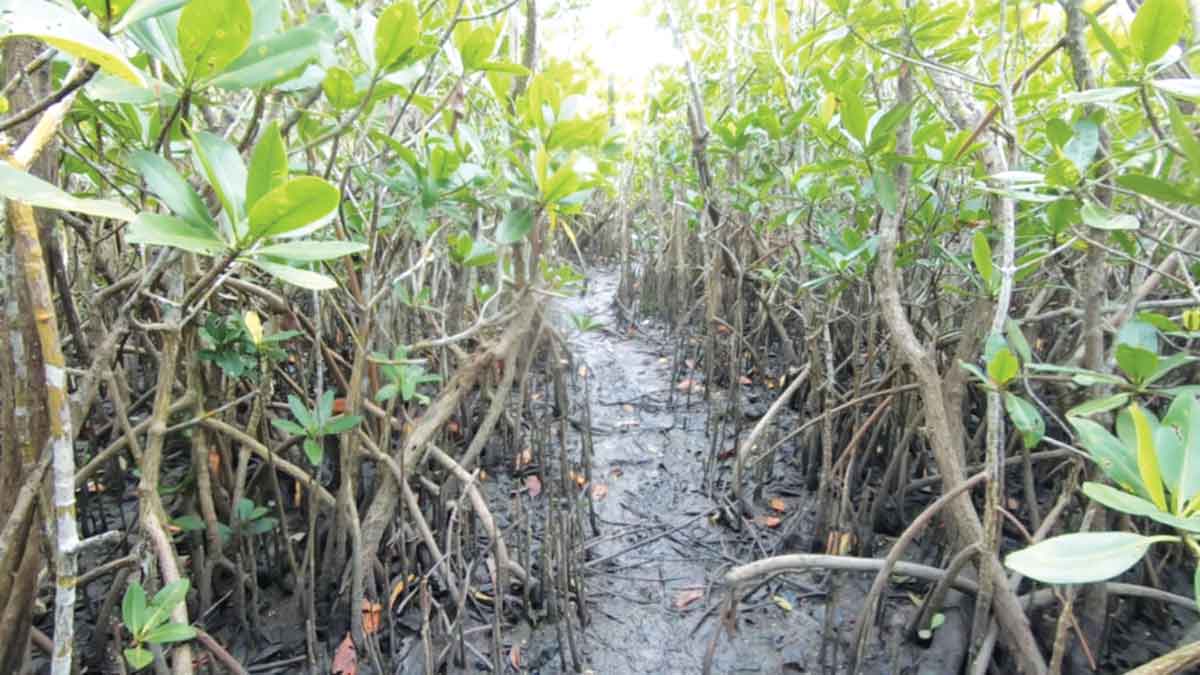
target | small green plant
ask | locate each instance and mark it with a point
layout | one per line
(585, 323)
(235, 348)
(404, 376)
(252, 519)
(149, 623)
(315, 424)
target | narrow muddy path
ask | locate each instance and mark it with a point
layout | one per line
(653, 571)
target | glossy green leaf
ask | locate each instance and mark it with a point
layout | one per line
(160, 230)
(1147, 458)
(308, 250)
(1169, 364)
(288, 427)
(313, 281)
(1098, 216)
(300, 412)
(213, 34)
(1180, 461)
(1136, 506)
(885, 191)
(299, 202)
(397, 32)
(225, 170)
(1103, 95)
(1106, 41)
(339, 88)
(272, 60)
(1185, 138)
(268, 165)
(1157, 25)
(1137, 363)
(1003, 367)
(516, 225)
(1154, 188)
(171, 632)
(1016, 337)
(1098, 405)
(146, 9)
(342, 423)
(166, 184)
(478, 48)
(1188, 89)
(138, 657)
(1026, 418)
(854, 115)
(67, 31)
(1080, 558)
(1118, 461)
(133, 607)
(314, 451)
(20, 186)
(981, 253)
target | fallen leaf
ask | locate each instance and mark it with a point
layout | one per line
(345, 659)
(514, 658)
(579, 479)
(534, 485)
(599, 491)
(372, 613)
(662, 360)
(683, 599)
(778, 504)
(627, 408)
(398, 589)
(768, 521)
(214, 462)
(583, 371)
(782, 602)
(745, 380)
(339, 405)
(722, 329)
(690, 363)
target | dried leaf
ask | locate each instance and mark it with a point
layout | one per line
(514, 658)
(372, 614)
(778, 504)
(524, 458)
(782, 602)
(599, 491)
(339, 405)
(768, 521)
(583, 371)
(214, 462)
(745, 380)
(345, 659)
(627, 408)
(534, 485)
(684, 599)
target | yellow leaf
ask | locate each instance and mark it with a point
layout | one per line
(254, 327)
(1147, 458)
(782, 602)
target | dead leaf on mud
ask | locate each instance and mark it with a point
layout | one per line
(778, 504)
(782, 602)
(599, 491)
(534, 485)
(684, 599)
(768, 521)
(372, 616)
(345, 659)
(690, 385)
(399, 589)
(514, 658)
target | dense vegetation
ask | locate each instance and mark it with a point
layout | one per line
(279, 286)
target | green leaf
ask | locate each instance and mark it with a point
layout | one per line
(146, 9)
(1118, 461)
(885, 191)
(166, 184)
(1137, 363)
(138, 658)
(67, 31)
(170, 595)
(1153, 188)
(308, 250)
(20, 186)
(212, 34)
(1016, 338)
(188, 523)
(1104, 95)
(1179, 87)
(325, 406)
(1080, 558)
(1098, 216)
(339, 88)
(275, 59)
(981, 253)
(854, 115)
(133, 607)
(478, 48)
(386, 393)
(1147, 458)
(313, 281)
(159, 230)
(293, 205)
(268, 165)
(314, 451)
(288, 427)
(342, 424)
(1026, 418)
(1003, 367)
(1157, 25)
(1139, 333)
(301, 413)
(516, 224)
(1098, 405)
(398, 31)
(1185, 138)
(1082, 147)
(884, 129)
(561, 184)
(1106, 41)
(225, 171)
(1136, 506)
(171, 632)
(1183, 422)
(505, 67)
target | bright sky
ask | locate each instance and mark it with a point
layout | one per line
(619, 36)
